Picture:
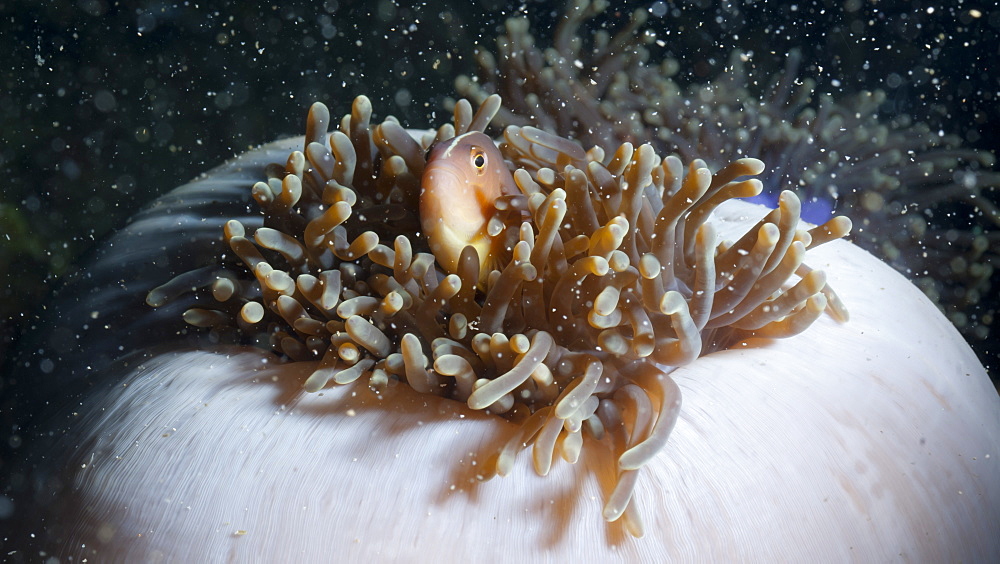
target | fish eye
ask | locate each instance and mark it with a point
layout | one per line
(479, 159)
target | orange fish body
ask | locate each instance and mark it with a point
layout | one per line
(463, 179)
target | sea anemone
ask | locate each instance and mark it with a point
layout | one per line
(613, 278)
(171, 444)
(920, 200)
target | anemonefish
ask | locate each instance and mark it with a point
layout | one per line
(462, 181)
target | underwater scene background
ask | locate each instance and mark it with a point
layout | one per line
(104, 106)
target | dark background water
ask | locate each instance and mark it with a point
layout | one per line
(105, 105)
